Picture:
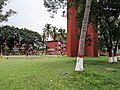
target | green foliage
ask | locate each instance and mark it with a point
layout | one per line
(61, 34)
(10, 34)
(108, 24)
(80, 12)
(54, 5)
(4, 17)
(105, 19)
(54, 32)
(51, 73)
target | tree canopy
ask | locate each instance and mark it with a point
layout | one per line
(10, 34)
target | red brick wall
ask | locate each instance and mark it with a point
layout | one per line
(51, 44)
(91, 48)
(72, 41)
(54, 44)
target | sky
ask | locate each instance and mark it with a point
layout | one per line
(32, 14)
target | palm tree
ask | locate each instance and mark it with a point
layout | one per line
(47, 30)
(54, 33)
(61, 34)
(46, 33)
(61, 37)
(79, 62)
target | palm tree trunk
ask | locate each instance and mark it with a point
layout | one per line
(79, 62)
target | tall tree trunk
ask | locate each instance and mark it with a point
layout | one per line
(79, 62)
(110, 48)
(1, 51)
(116, 45)
(115, 51)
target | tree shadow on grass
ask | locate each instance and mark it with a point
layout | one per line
(96, 62)
(102, 63)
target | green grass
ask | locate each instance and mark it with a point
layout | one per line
(51, 73)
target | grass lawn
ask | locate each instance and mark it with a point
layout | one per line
(52, 73)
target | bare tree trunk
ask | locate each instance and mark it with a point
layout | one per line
(110, 54)
(79, 62)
